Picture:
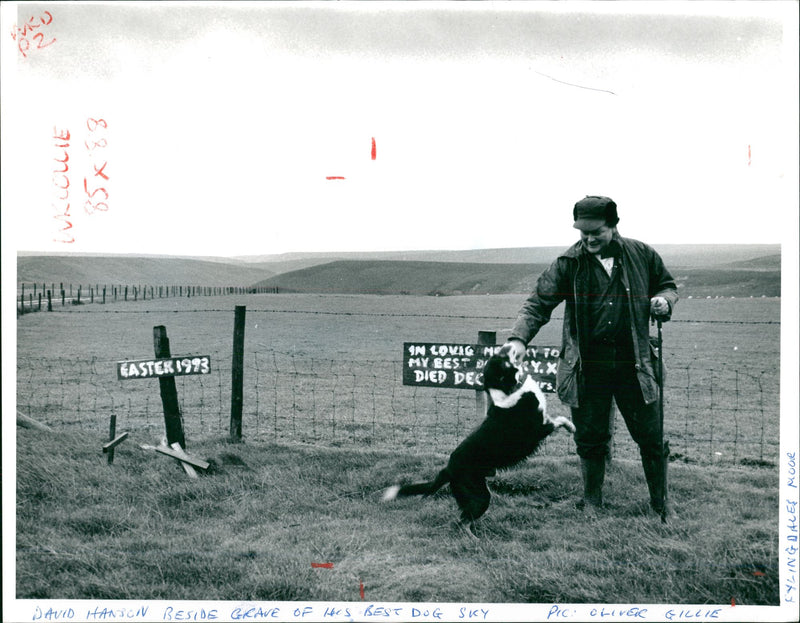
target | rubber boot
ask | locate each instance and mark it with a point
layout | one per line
(655, 473)
(594, 473)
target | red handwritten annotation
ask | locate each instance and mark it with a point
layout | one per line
(28, 30)
(61, 182)
(96, 140)
(94, 202)
(322, 565)
(373, 155)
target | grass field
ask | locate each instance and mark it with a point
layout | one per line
(371, 326)
(139, 529)
(249, 530)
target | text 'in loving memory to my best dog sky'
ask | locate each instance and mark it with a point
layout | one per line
(460, 366)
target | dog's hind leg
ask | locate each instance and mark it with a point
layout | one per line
(472, 496)
(466, 527)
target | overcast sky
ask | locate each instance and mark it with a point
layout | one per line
(489, 120)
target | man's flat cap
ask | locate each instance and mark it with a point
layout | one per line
(594, 211)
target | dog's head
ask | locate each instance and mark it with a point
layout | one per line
(501, 372)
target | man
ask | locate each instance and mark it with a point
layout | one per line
(612, 287)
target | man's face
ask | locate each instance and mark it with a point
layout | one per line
(596, 240)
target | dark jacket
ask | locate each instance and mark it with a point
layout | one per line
(643, 276)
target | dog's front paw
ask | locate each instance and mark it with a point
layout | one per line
(562, 422)
(529, 385)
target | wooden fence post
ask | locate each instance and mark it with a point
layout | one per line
(49, 301)
(485, 338)
(112, 431)
(113, 439)
(169, 394)
(237, 373)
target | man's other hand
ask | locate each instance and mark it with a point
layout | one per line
(659, 308)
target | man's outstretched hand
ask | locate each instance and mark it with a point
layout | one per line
(516, 350)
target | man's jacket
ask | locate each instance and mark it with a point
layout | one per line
(643, 277)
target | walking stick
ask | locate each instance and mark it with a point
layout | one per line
(664, 444)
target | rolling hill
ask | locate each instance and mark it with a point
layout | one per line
(121, 269)
(688, 255)
(448, 278)
(699, 270)
(408, 277)
(769, 262)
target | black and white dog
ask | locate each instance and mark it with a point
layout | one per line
(516, 423)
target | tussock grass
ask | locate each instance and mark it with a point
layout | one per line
(252, 526)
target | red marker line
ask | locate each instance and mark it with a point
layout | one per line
(374, 149)
(334, 177)
(361, 589)
(322, 565)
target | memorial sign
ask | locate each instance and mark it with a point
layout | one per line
(460, 366)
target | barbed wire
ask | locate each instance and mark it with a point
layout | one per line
(714, 414)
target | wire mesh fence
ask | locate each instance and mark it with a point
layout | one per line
(712, 413)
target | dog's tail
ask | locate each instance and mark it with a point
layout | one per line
(417, 488)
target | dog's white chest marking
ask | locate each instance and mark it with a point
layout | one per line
(534, 387)
(507, 401)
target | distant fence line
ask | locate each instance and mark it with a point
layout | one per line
(38, 297)
(718, 415)
(240, 291)
(34, 297)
